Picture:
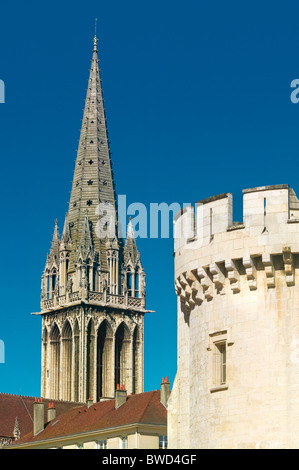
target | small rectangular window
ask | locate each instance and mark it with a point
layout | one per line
(101, 444)
(220, 363)
(124, 442)
(218, 344)
(162, 442)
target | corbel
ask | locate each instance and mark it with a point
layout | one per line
(206, 283)
(218, 277)
(269, 269)
(288, 261)
(250, 270)
(233, 275)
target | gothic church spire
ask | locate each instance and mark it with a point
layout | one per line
(93, 182)
(93, 301)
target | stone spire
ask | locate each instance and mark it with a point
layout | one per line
(87, 287)
(54, 250)
(93, 182)
(130, 250)
(16, 431)
(65, 238)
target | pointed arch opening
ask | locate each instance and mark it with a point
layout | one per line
(90, 276)
(48, 284)
(67, 354)
(90, 359)
(122, 355)
(104, 360)
(137, 283)
(55, 340)
(45, 348)
(137, 361)
(130, 282)
(76, 361)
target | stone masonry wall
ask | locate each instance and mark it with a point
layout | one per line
(238, 285)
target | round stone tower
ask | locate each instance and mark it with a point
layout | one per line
(237, 284)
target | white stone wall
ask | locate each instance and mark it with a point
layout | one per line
(238, 284)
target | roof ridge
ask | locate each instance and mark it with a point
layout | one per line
(16, 395)
(44, 398)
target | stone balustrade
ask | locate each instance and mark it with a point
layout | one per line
(95, 298)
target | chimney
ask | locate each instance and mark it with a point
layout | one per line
(38, 416)
(51, 411)
(120, 396)
(89, 402)
(164, 391)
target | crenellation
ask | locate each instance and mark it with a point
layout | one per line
(184, 226)
(293, 205)
(263, 209)
(213, 216)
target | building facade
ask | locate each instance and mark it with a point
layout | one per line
(237, 285)
(93, 285)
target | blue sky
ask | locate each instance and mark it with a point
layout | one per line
(198, 103)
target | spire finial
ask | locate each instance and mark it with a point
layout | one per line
(95, 40)
(130, 230)
(16, 431)
(56, 233)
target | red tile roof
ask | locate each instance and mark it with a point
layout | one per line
(12, 406)
(142, 408)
